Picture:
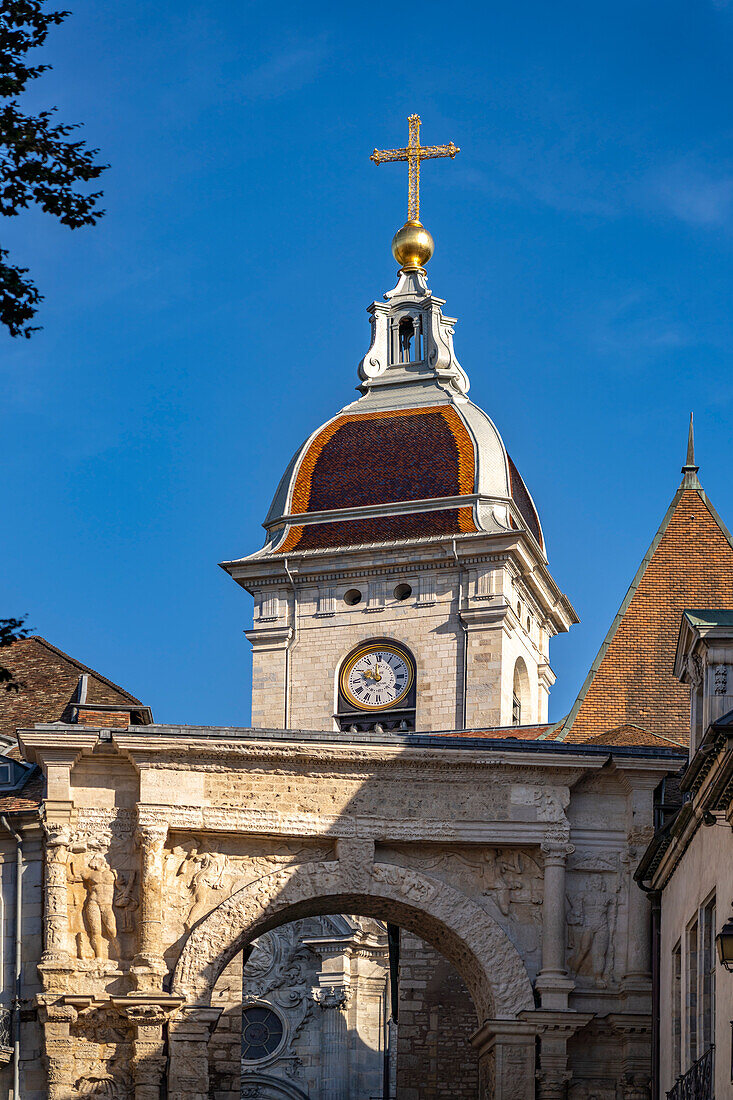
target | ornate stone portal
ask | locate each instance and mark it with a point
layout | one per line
(168, 851)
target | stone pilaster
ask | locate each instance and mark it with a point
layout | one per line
(552, 981)
(149, 967)
(638, 933)
(635, 1031)
(188, 1042)
(506, 1060)
(636, 980)
(56, 1020)
(56, 920)
(555, 1030)
(148, 1047)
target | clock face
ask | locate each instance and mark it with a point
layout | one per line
(377, 677)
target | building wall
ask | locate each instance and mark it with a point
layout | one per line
(435, 1059)
(705, 868)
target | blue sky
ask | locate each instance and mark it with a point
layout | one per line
(217, 313)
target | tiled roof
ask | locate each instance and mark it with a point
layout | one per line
(632, 681)
(369, 460)
(504, 733)
(28, 797)
(49, 678)
(523, 501)
(382, 457)
(632, 735)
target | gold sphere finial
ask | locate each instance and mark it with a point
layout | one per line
(412, 246)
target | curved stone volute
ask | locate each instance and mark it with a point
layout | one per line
(467, 936)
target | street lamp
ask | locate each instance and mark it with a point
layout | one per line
(724, 940)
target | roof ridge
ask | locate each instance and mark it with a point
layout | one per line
(84, 668)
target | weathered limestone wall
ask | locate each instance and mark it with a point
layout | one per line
(435, 1059)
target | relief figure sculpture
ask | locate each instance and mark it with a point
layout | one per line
(95, 916)
(126, 899)
(515, 878)
(590, 917)
(208, 874)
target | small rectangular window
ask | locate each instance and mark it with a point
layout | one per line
(516, 710)
(677, 1011)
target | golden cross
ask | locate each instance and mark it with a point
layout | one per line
(413, 154)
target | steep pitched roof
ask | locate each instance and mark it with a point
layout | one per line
(48, 679)
(632, 682)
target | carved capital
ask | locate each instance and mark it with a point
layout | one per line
(331, 996)
(555, 851)
(151, 836)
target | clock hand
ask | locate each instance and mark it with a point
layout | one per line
(376, 672)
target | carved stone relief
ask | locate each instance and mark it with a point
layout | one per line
(282, 971)
(197, 876)
(592, 918)
(101, 869)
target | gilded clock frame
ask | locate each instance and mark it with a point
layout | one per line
(371, 647)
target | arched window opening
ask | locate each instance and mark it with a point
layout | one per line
(406, 335)
(520, 694)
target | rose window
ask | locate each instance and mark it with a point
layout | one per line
(262, 1032)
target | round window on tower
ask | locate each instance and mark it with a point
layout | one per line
(352, 597)
(403, 592)
(262, 1032)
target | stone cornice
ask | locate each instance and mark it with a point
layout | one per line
(43, 748)
(709, 778)
(238, 820)
(164, 745)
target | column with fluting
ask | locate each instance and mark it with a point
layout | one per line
(334, 1042)
(552, 980)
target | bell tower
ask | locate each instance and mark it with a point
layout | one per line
(403, 585)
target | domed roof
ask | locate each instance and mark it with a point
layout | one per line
(412, 458)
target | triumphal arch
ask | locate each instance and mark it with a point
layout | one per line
(399, 767)
(512, 859)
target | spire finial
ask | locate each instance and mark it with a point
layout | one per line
(690, 480)
(412, 245)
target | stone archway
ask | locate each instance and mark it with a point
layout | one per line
(467, 936)
(461, 930)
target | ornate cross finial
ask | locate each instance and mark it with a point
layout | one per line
(413, 153)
